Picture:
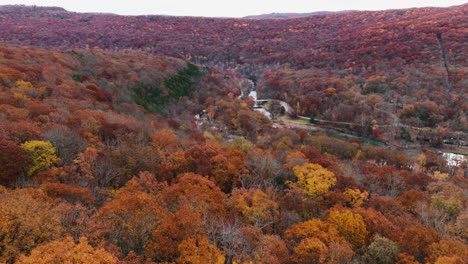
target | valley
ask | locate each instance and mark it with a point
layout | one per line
(455, 154)
(332, 138)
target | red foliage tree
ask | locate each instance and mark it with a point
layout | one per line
(13, 162)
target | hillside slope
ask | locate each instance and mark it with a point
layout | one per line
(358, 38)
(80, 161)
(410, 64)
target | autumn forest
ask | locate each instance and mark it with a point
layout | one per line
(133, 139)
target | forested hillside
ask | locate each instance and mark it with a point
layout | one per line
(131, 139)
(396, 67)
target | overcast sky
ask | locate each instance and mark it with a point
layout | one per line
(231, 8)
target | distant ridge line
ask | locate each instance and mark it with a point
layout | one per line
(295, 15)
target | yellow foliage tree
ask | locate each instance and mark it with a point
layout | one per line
(355, 198)
(23, 84)
(66, 251)
(242, 144)
(26, 90)
(440, 175)
(42, 155)
(349, 225)
(255, 206)
(421, 160)
(313, 179)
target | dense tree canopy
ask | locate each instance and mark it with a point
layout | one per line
(113, 152)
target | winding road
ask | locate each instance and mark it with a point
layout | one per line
(453, 159)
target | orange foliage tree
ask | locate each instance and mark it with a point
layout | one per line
(416, 240)
(197, 192)
(271, 249)
(377, 223)
(454, 250)
(224, 166)
(173, 229)
(66, 251)
(309, 250)
(27, 218)
(128, 220)
(199, 251)
(336, 249)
